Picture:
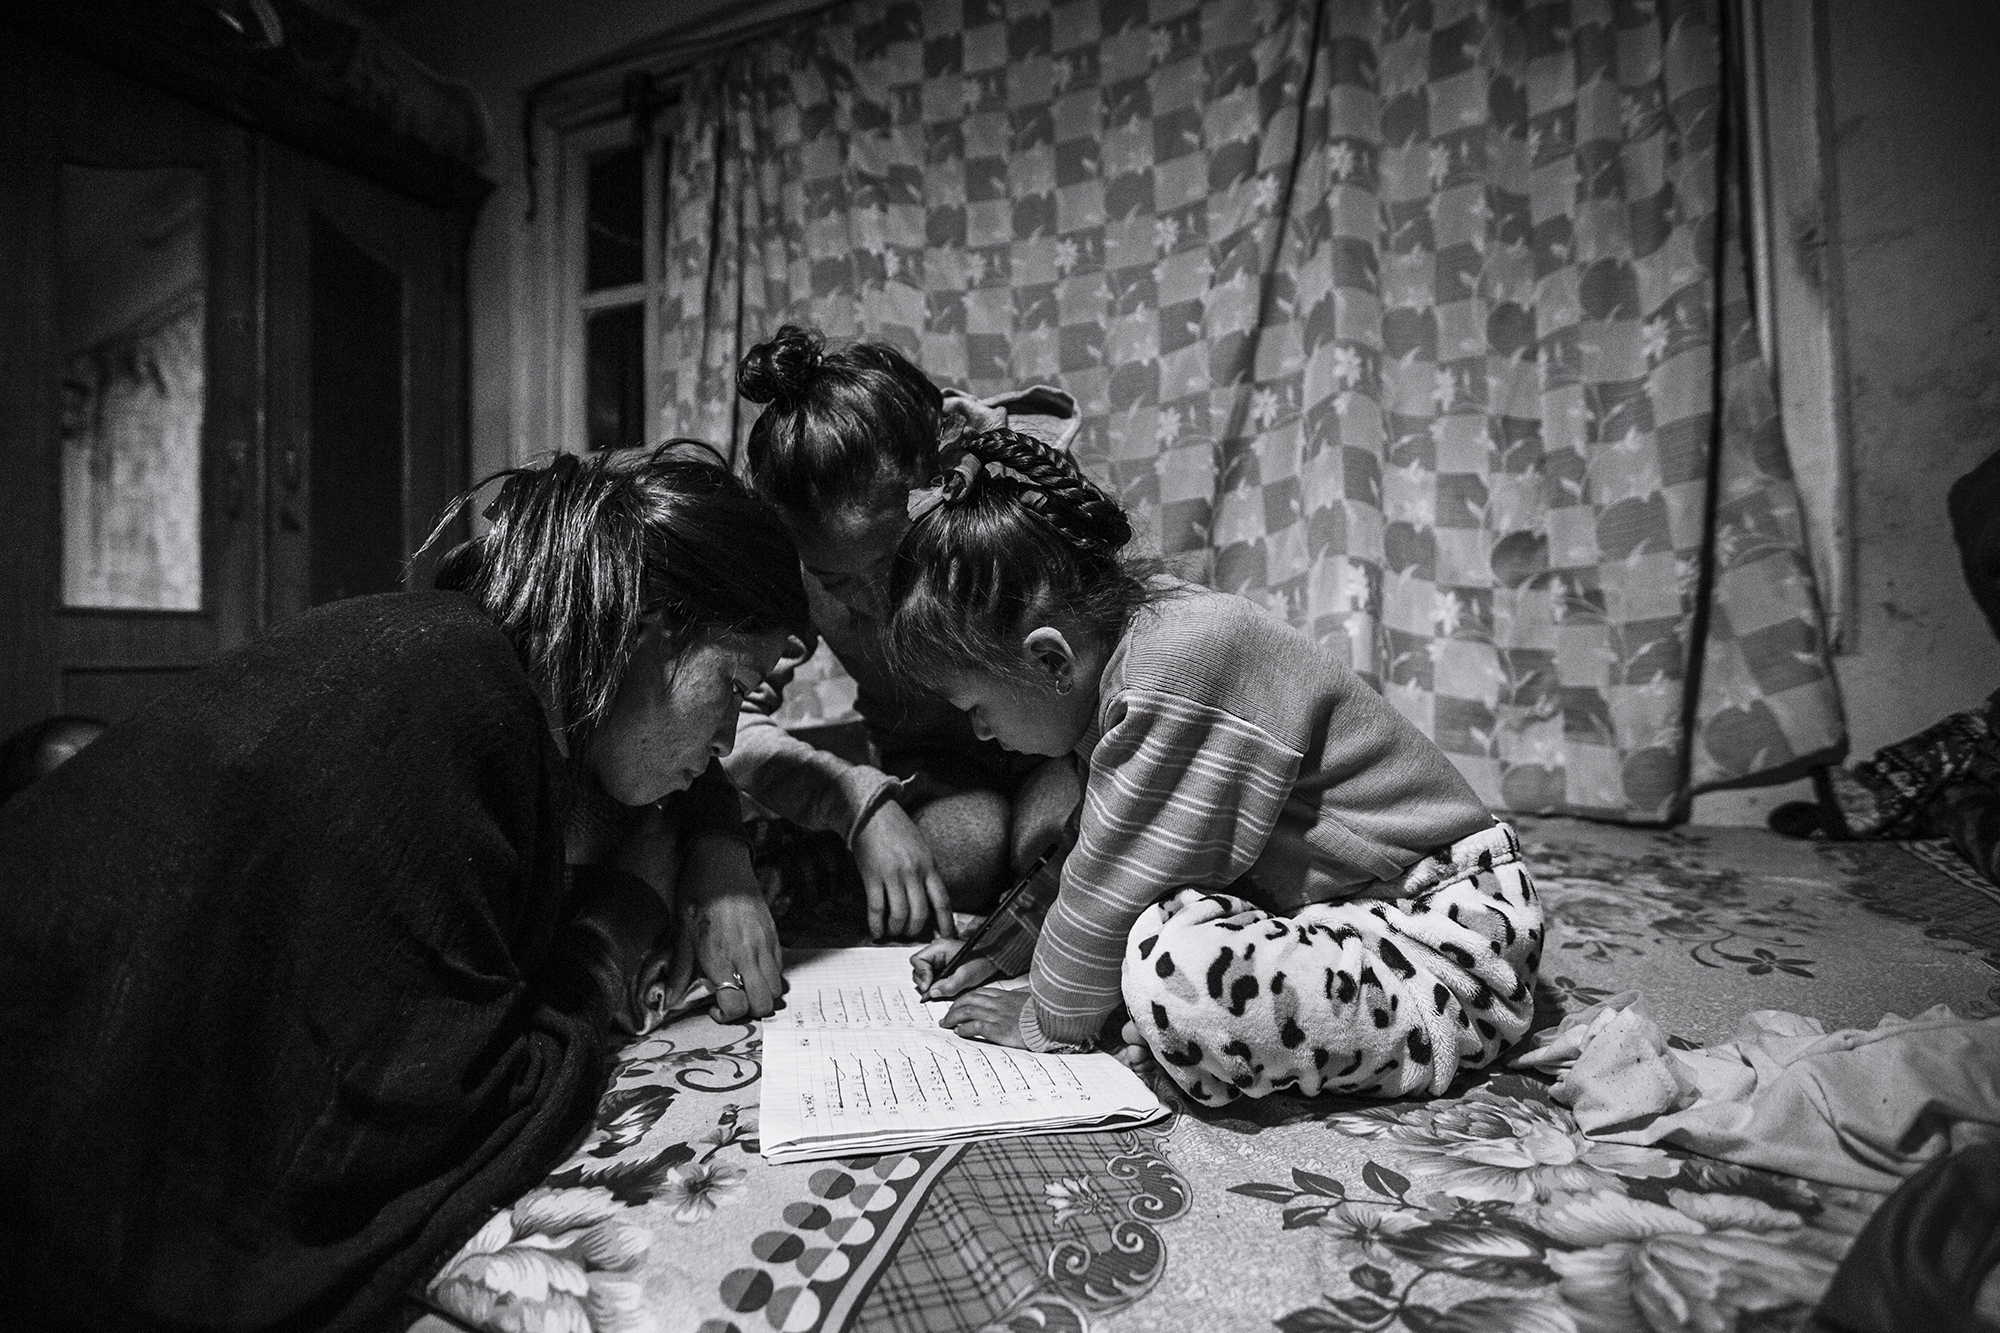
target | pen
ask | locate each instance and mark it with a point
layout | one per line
(978, 936)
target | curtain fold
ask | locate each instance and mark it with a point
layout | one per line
(1422, 322)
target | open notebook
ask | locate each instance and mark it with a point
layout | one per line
(856, 1063)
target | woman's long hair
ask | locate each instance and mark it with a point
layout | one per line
(1014, 530)
(581, 549)
(842, 425)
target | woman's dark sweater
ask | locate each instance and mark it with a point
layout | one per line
(283, 1011)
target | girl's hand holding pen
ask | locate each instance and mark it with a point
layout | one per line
(943, 969)
(928, 964)
(988, 1014)
(982, 1014)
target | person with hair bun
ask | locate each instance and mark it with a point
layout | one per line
(1284, 883)
(319, 960)
(941, 820)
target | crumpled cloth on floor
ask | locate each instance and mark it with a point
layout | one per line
(1857, 1108)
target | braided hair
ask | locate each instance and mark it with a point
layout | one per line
(842, 426)
(581, 549)
(1015, 530)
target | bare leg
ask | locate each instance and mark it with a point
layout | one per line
(981, 842)
(1041, 807)
(967, 833)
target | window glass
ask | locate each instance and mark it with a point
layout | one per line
(357, 419)
(614, 383)
(614, 220)
(131, 323)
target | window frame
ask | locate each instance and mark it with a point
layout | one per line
(573, 305)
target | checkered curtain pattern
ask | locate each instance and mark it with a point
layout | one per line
(1419, 321)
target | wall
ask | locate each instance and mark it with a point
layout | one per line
(1917, 136)
(502, 48)
(1917, 181)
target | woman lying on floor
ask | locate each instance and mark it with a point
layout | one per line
(1286, 883)
(311, 966)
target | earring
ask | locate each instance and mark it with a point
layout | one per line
(1063, 685)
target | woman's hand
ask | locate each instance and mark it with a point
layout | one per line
(735, 941)
(769, 697)
(988, 1014)
(928, 964)
(905, 891)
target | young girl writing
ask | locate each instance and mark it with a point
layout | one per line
(1286, 883)
(846, 433)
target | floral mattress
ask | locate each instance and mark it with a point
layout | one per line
(1485, 1209)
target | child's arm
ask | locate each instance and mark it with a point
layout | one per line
(809, 786)
(792, 779)
(1180, 795)
(822, 791)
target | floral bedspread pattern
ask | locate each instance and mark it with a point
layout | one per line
(1485, 1209)
(666, 1219)
(1506, 1205)
(1709, 924)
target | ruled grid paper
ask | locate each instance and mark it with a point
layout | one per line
(855, 1063)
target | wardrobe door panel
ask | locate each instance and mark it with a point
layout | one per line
(129, 391)
(366, 383)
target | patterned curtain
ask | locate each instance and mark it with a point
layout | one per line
(1420, 321)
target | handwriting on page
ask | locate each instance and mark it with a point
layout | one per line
(849, 1077)
(859, 1005)
(856, 1062)
(839, 991)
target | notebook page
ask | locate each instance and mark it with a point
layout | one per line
(834, 989)
(856, 1062)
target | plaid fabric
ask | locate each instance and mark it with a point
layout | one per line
(1421, 321)
(1033, 1233)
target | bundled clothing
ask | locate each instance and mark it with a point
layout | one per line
(1860, 1108)
(295, 990)
(1283, 880)
(1911, 1105)
(1943, 782)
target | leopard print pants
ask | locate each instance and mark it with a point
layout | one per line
(1364, 997)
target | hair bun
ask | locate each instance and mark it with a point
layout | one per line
(1103, 522)
(782, 369)
(1055, 487)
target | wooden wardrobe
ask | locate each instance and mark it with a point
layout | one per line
(232, 345)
